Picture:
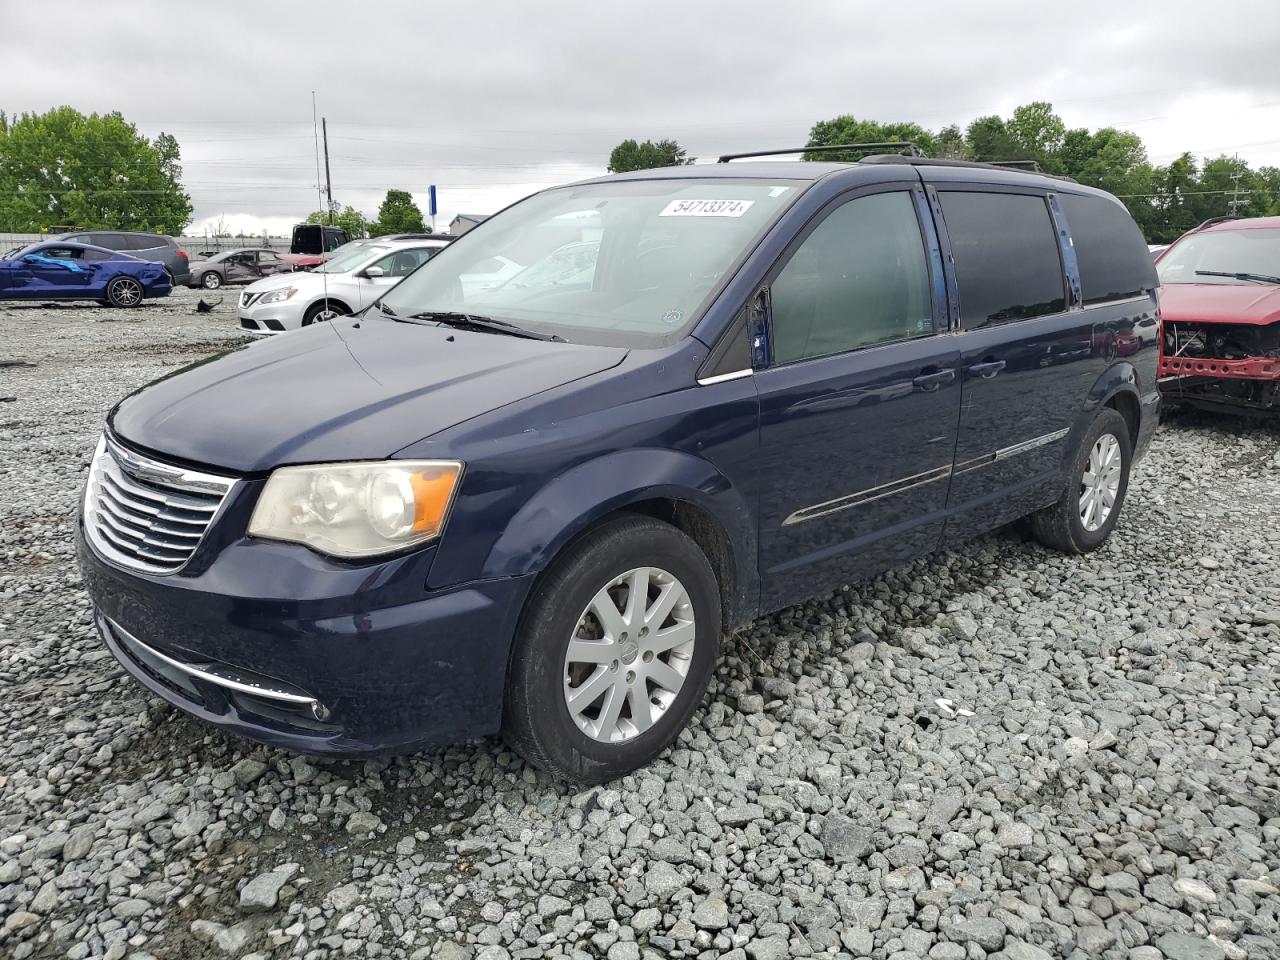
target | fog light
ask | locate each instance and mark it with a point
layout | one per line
(320, 711)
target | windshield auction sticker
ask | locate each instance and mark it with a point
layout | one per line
(706, 208)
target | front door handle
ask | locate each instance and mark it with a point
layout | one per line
(934, 379)
(987, 369)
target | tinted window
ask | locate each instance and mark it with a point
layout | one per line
(140, 241)
(859, 279)
(97, 255)
(1110, 250)
(1006, 254)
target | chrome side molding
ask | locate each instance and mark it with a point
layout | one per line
(867, 496)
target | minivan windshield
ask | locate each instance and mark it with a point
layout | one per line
(1203, 257)
(352, 259)
(627, 262)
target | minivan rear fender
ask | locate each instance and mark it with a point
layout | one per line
(1118, 386)
(574, 501)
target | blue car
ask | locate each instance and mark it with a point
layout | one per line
(60, 270)
(539, 507)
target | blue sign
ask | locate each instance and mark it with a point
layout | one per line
(431, 200)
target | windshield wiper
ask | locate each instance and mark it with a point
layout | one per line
(1255, 277)
(476, 322)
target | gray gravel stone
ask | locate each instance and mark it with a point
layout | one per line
(1076, 753)
(1183, 946)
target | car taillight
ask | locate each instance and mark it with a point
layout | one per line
(183, 254)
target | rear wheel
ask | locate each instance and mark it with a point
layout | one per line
(1097, 481)
(210, 280)
(321, 312)
(616, 648)
(124, 292)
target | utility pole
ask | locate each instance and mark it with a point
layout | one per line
(328, 184)
(1236, 202)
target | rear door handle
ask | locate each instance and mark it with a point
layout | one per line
(987, 369)
(935, 379)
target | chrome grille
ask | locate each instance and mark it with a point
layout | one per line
(145, 514)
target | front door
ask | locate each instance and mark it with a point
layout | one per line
(1028, 356)
(241, 268)
(859, 405)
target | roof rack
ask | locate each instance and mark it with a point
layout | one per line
(905, 145)
(1212, 220)
(1022, 166)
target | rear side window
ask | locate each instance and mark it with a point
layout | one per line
(859, 279)
(1006, 254)
(1113, 258)
(140, 241)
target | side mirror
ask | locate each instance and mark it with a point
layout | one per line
(372, 273)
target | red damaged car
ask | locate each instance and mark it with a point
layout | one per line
(1220, 300)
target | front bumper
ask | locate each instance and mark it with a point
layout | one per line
(281, 645)
(269, 318)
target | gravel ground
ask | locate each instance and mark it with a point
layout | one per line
(996, 752)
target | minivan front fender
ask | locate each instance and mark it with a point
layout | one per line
(574, 501)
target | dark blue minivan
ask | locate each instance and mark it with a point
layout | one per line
(534, 486)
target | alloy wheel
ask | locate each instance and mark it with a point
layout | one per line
(629, 655)
(1100, 485)
(125, 292)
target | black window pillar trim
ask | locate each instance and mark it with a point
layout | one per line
(939, 223)
(940, 296)
(1067, 249)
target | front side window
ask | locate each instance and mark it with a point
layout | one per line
(403, 262)
(859, 279)
(626, 262)
(346, 262)
(59, 253)
(1244, 255)
(1006, 253)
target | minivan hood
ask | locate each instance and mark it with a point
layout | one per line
(1253, 303)
(348, 390)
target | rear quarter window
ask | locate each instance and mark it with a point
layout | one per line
(1113, 257)
(140, 241)
(1006, 253)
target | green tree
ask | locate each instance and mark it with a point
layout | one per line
(1036, 133)
(398, 214)
(95, 171)
(348, 218)
(950, 144)
(847, 129)
(990, 140)
(630, 155)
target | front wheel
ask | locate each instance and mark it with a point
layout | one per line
(615, 650)
(1097, 481)
(211, 281)
(322, 312)
(124, 292)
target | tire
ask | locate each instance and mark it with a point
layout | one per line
(210, 280)
(317, 313)
(1063, 526)
(124, 292)
(537, 718)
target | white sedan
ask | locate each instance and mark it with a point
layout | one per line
(345, 284)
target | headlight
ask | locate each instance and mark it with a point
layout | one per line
(275, 296)
(357, 509)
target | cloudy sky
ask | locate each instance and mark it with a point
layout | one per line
(492, 100)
